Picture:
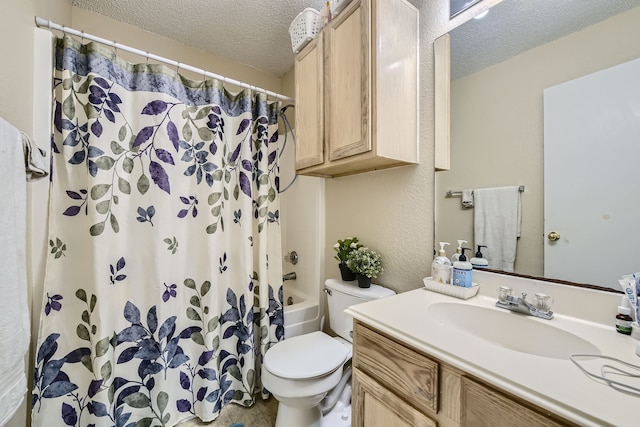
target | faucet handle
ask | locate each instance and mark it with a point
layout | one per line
(524, 296)
(543, 302)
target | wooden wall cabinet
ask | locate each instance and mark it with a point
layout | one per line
(357, 91)
(395, 385)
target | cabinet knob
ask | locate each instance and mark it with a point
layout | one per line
(553, 236)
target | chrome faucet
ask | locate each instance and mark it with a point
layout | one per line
(289, 276)
(521, 305)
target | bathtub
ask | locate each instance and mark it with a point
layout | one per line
(301, 312)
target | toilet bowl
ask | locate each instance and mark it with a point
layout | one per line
(300, 371)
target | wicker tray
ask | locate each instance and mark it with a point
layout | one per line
(451, 290)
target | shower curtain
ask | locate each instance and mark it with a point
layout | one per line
(163, 284)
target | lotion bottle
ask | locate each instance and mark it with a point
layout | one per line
(441, 266)
(456, 256)
(462, 271)
(479, 261)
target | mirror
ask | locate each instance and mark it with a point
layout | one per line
(500, 66)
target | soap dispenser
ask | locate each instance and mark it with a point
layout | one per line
(479, 261)
(441, 266)
(462, 271)
(456, 256)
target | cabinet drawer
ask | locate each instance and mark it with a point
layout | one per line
(409, 374)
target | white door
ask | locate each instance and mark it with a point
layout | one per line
(592, 176)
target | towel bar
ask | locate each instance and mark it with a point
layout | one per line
(458, 193)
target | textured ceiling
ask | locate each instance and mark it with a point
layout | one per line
(255, 33)
(251, 32)
(515, 26)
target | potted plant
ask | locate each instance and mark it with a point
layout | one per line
(343, 248)
(367, 264)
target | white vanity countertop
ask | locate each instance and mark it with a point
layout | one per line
(555, 384)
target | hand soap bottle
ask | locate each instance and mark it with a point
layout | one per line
(456, 256)
(462, 271)
(479, 261)
(441, 266)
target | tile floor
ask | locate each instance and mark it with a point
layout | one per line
(261, 414)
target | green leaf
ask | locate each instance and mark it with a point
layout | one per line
(206, 285)
(99, 190)
(144, 422)
(193, 315)
(86, 362)
(226, 194)
(264, 332)
(251, 378)
(227, 176)
(187, 133)
(96, 229)
(105, 163)
(143, 184)
(91, 111)
(78, 78)
(195, 301)
(262, 212)
(212, 228)
(162, 400)
(116, 148)
(166, 417)
(205, 310)
(236, 192)
(127, 165)
(264, 179)
(124, 186)
(69, 107)
(81, 295)
(213, 198)
(190, 283)
(212, 324)
(115, 200)
(111, 393)
(114, 223)
(137, 400)
(272, 194)
(85, 316)
(83, 332)
(234, 371)
(106, 370)
(103, 206)
(84, 87)
(192, 109)
(197, 338)
(215, 211)
(102, 347)
(215, 343)
(94, 329)
(67, 84)
(203, 112)
(92, 302)
(205, 134)
(261, 200)
(167, 241)
(122, 133)
(217, 175)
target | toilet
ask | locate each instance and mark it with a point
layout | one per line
(302, 370)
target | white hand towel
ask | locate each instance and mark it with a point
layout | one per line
(497, 224)
(35, 159)
(14, 309)
(467, 198)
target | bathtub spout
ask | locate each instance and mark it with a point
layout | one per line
(289, 276)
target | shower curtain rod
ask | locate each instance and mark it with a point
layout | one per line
(44, 23)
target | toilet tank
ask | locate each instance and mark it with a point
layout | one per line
(342, 295)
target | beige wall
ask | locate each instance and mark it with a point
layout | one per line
(497, 127)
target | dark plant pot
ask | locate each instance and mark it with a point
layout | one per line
(346, 273)
(363, 281)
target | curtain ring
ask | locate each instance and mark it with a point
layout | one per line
(115, 47)
(49, 22)
(64, 30)
(178, 68)
(82, 36)
(147, 57)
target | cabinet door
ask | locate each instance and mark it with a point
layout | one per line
(309, 105)
(347, 83)
(483, 406)
(375, 406)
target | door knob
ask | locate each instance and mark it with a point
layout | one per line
(553, 236)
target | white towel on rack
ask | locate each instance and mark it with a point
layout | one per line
(14, 309)
(497, 224)
(35, 159)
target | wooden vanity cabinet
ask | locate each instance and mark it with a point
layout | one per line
(357, 91)
(396, 385)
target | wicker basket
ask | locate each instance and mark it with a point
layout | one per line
(304, 28)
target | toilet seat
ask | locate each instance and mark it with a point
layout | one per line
(306, 356)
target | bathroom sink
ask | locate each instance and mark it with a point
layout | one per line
(510, 330)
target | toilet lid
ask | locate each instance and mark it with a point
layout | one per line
(305, 356)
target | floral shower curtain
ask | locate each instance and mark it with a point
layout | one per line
(164, 284)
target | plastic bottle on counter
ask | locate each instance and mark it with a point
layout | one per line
(456, 256)
(623, 319)
(479, 261)
(462, 271)
(441, 266)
